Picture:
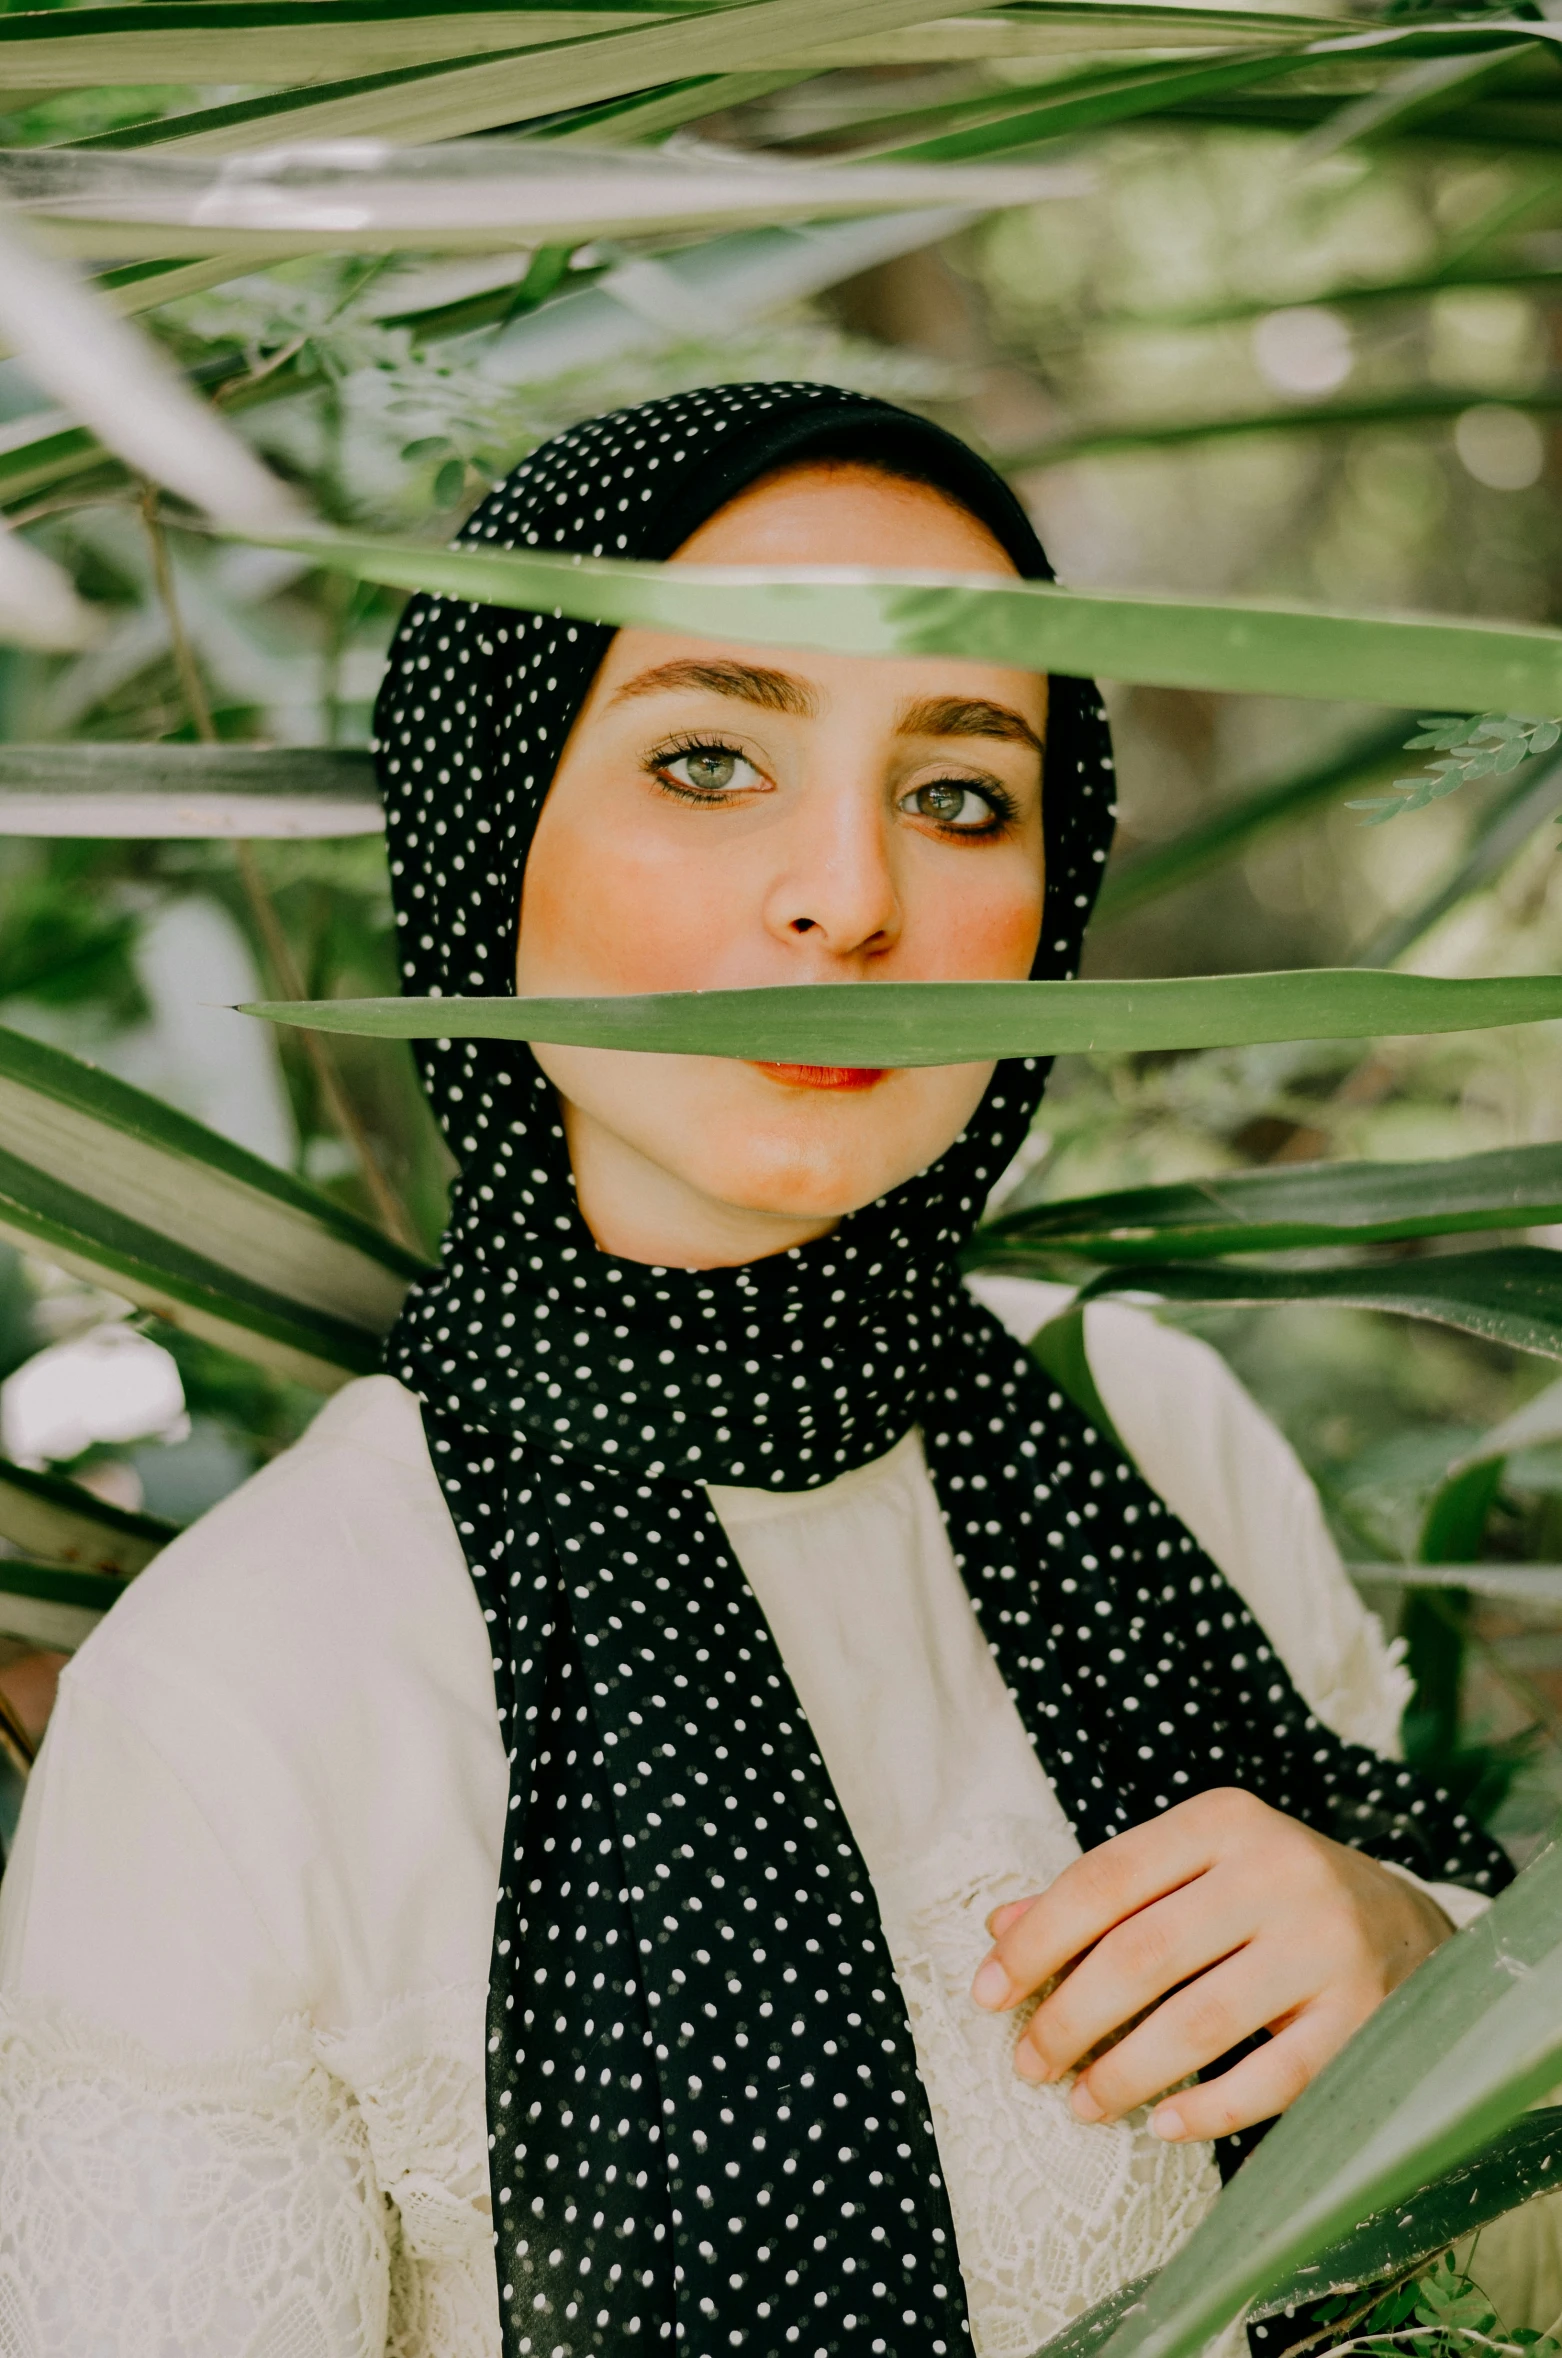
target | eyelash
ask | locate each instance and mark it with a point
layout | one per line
(999, 801)
(679, 749)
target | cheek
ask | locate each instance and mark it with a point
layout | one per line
(989, 935)
(601, 914)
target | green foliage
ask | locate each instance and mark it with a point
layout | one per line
(1491, 744)
(957, 1023)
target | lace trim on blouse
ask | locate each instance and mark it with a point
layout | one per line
(1051, 2213)
(276, 2205)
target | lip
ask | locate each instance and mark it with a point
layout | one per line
(823, 1076)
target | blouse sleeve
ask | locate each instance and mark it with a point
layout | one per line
(178, 2170)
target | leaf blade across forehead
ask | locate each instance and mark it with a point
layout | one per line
(1230, 647)
(893, 1024)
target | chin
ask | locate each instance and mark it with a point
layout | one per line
(790, 1179)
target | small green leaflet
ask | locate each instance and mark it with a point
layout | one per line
(894, 1024)
(1491, 744)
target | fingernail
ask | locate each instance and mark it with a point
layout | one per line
(1030, 2066)
(991, 1986)
(1085, 2106)
(1167, 2122)
(1001, 1918)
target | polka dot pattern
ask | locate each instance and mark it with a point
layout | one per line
(706, 2126)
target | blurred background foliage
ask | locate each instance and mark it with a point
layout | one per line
(1234, 363)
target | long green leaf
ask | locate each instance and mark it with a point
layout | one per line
(1515, 124)
(102, 790)
(1417, 95)
(1232, 646)
(471, 196)
(1165, 867)
(1525, 2161)
(118, 382)
(49, 1605)
(215, 41)
(1051, 28)
(1282, 1209)
(1416, 406)
(44, 1515)
(1511, 1295)
(451, 100)
(41, 450)
(1512, 1584)
(893, 1024)
(1001, 121)
(1341, 296)
(729, 281)
(1444, 2065)
(1533, 796)
(119, 1188)
(1016, 120)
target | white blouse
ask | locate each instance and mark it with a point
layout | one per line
(244, 1937)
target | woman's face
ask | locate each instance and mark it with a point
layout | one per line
(725, 816)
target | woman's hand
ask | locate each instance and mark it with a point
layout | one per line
(1251, 1920)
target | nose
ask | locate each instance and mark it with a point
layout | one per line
(836, 893)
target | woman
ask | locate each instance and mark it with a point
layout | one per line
(642, 1589)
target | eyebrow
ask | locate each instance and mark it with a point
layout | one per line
(967, 716)
(782, 691)
(749, 683)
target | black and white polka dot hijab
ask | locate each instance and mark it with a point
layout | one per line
(706, 2125)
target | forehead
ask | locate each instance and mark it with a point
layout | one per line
(835, 513)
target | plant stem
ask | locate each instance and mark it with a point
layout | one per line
(263, 910)
(191, 685)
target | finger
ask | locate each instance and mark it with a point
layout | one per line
(1098, 1890)
(1262, 2084)
(1261, 1984)
(1010, 1913)
(1137, 1962)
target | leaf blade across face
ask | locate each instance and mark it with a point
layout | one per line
(1231, 647)
(893, 1024)
(1283, 1209)
(1511, 1295)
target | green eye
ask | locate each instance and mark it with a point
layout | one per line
(950, 803)
(705, 772)
(709, 770)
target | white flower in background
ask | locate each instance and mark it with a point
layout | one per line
(113, 1384)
